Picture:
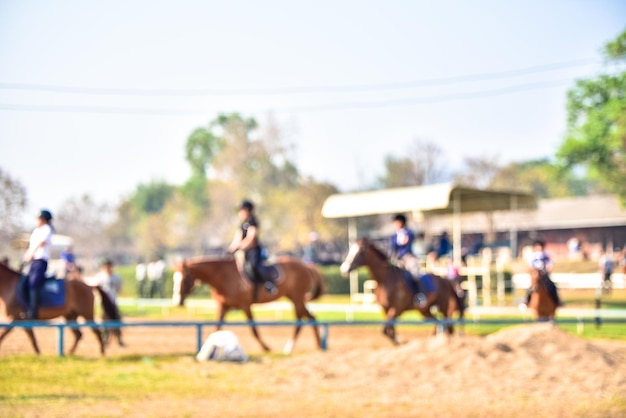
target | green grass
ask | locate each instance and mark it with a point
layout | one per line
(584, 299)
(58, 382)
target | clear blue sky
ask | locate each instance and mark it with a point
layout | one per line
(96, 97)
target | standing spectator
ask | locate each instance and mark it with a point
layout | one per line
(444, 246)
(37, 254)
(111, 283)
(156, 268)
(69, 260)
(310, 251)
(140, 275)
(606, 264)
(621, 261)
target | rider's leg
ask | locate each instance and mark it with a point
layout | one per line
(553, 291)
(411, 264)
(36, 277)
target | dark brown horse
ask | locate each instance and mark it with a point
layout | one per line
(541, 302)
(392, 292)
(231, 290)
(79, 302)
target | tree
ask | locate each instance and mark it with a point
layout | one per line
(12, 204)
(479, 172)
(151, 198)
(201, 147)
(84, 220)
(420, 165)
(542, 178)
(596, 136)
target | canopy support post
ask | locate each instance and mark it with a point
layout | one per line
(456, 227)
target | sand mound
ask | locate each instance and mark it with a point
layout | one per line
(529, 360)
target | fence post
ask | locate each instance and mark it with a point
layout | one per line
(324, 337)
(486, 263)
(198, 337)
(60, 337)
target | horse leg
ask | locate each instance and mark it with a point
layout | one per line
(6, 331)
(389, 329)
(99, 337)
(31, 337)
(301, 312)
(77, 337)
(448, 310)
(29, 332)
(248, 313)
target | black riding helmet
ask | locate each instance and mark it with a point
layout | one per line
(247, 205)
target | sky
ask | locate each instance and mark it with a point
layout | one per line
(97, 97)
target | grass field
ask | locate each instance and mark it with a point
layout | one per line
(162, 385)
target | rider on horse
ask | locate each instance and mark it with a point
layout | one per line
(247, 239)
(37, 254)
(541, 261)
(400, 245)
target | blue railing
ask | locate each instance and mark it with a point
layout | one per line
(324, 325)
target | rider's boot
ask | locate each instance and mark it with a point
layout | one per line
(270, 287)
(33, 303)
(419, 300)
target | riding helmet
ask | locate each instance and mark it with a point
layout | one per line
(45, 214)
(247, 205)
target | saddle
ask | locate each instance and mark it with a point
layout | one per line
(424, 285)
(51, 294)
(268, 273)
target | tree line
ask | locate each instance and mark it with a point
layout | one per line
(234, 157)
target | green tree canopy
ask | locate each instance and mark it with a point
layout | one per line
(151, 198)
(596, 137)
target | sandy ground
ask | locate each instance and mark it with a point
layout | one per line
(530, 370)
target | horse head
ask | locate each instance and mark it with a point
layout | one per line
(536, 274)
(355, 257)
(183, 283)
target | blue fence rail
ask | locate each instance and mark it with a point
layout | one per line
(324, 325)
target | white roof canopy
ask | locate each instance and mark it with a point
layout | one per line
(432, 199)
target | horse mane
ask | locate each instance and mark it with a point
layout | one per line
(8, 268)
(376, 250)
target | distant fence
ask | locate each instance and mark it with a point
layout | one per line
(573, 280)
(588, 316)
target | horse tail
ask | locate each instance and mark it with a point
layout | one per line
(318, 283)
(460, 300)
(110, 309)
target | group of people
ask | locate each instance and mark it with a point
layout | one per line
(150, 278)
(246, 239)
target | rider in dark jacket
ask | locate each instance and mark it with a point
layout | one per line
(247, 239)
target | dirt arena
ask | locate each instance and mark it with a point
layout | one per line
(521, 371)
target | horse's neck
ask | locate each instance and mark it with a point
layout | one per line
(380, 268)
(8, 282)
(221, 276)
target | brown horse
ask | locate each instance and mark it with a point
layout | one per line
(392, 292)
(540, 300)
(79, 301)
(231, 290)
